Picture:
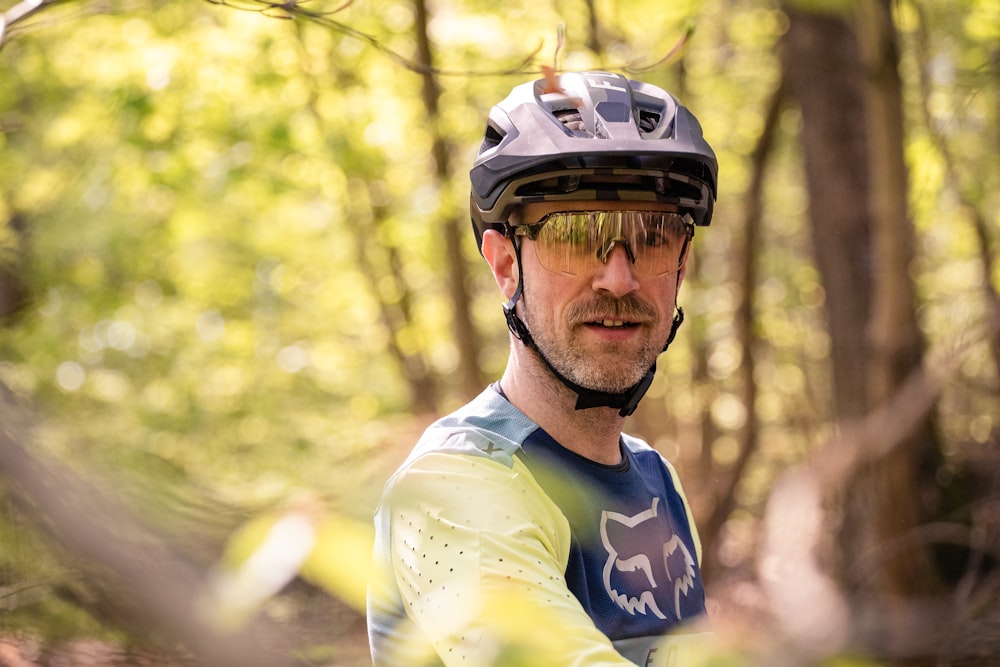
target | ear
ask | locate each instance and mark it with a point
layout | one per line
(500, 255)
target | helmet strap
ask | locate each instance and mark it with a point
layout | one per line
(627, 401)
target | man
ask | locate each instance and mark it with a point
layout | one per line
(526, 528)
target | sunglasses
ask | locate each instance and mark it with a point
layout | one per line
(656, 242)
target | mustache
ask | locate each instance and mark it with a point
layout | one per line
(628, 308)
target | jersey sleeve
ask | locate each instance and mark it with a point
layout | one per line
(477, 552)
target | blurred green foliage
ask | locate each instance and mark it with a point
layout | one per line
(207, 207)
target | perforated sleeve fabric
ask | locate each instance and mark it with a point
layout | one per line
(477, 556)
(473, 545)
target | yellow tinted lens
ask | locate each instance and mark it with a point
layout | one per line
(658, 241)
(567, 242)
(575, 242)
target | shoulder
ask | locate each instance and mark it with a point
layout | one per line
(634, 444)
(488, 426)
(642, 450)
(458, 498)
(468, 458)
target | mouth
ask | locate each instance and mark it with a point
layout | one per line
(613, 316)
(612, 324)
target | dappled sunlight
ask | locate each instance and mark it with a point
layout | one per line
(237, 280)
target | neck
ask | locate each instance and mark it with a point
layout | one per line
(593, 433)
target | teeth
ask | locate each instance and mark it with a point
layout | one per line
(613, 323)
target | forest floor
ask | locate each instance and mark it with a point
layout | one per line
(344, 644)
(21, 650)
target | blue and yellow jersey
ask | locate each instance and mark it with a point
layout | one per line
(492, 541)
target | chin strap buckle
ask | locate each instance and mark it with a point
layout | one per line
(517, 325)
(637, 392)
(678, 321)
(626, 402)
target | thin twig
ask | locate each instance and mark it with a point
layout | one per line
(20, 12)
(296, 10)
(633, 66)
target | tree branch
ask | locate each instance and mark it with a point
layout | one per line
(142, 584)
(294, 9)
(817, 618)
(752, 209)
(20, 12)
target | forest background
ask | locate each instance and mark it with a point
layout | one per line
(237, 280)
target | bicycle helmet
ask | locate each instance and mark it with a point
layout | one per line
(589, 136)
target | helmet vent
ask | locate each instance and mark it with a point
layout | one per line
(649, 119)
(571, 119)
(492, 138)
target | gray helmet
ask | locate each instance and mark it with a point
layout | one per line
(599, 136)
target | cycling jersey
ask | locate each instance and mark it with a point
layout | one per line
(492, 538)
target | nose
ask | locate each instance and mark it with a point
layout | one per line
(616, 275)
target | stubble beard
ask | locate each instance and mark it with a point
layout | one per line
(616, 367)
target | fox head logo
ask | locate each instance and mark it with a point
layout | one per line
(637, 565)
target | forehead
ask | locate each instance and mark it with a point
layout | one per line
(530, 212)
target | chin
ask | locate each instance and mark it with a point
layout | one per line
(610, 385)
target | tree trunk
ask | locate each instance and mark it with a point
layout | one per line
(894, 335)
(466, 336)
(849, 91)
(13, 292)
(821, 68)
(377, 262)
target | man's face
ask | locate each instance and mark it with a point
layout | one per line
(604, 326)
